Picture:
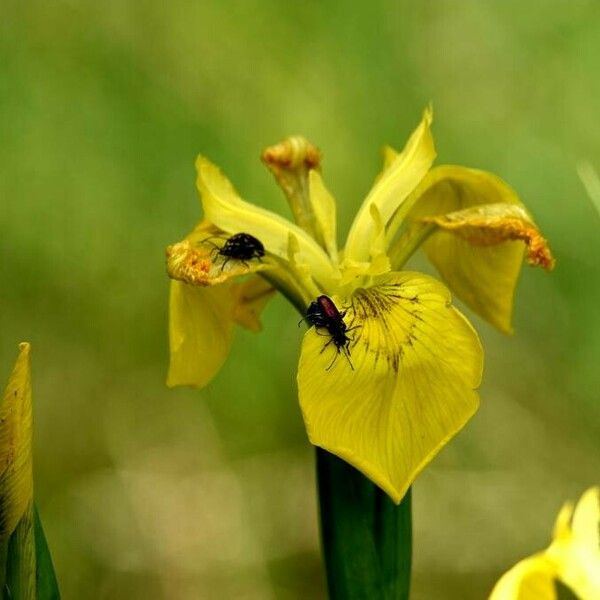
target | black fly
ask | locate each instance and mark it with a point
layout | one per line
(323, 313)
(240, 246)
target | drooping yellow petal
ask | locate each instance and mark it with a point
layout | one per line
(417, 363)
(493, 224)
(224, 207)
(201, 324)
(392, 188)
(16, 475)
(250, 298)
(200, 332)
(530, 579)
(484, 277)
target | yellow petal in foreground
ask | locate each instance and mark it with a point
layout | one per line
(417, 363)
(392, 188)
(484, 277)
(16, 477)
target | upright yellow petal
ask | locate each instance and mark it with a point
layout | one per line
(224, 207)
(571, 562)
(562, 525)
(577, 556)
(200, 332)
(323, 207)
(484, 277)
(16, 475)
(392, 188)
(416, 364)
(586, 520)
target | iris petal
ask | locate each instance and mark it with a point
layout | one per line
(571, 562)
(484, 277)
(392, 188)
(416, 363)
(200, 332)
(224, 208)
(323, 207)
(530, 579)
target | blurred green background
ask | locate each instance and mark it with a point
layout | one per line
(151, 493)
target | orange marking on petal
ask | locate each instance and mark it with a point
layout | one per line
(488, 226)
(188, 264)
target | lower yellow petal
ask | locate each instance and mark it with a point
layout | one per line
(200, 332)
(416, 363)
(16, 475)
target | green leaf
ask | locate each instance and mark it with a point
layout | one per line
(47, 585)
(366, 538)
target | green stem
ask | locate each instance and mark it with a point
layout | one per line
(404, 247)
(366, 538)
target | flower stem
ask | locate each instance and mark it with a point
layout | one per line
(404, 247)
(366, 538)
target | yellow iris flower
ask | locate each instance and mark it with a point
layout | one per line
(571, 562)
(415, 362)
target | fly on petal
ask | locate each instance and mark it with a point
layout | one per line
(415, 363)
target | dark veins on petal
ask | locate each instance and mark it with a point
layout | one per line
(371, 309)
